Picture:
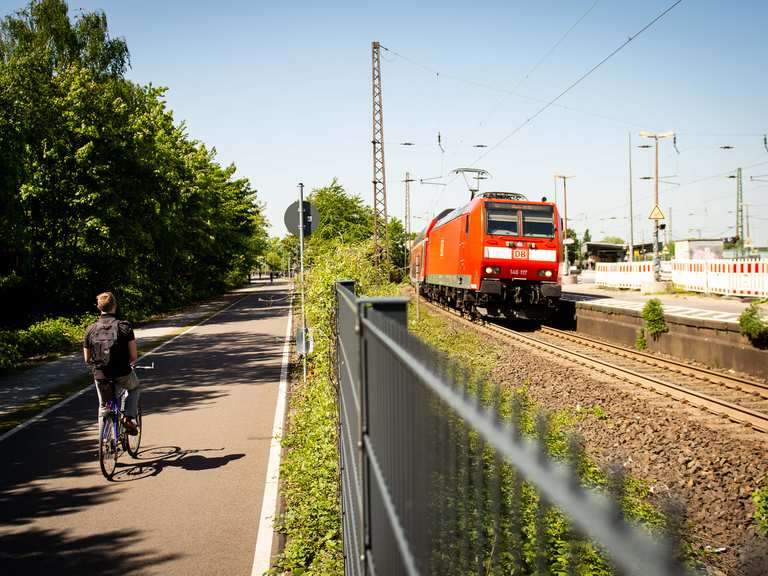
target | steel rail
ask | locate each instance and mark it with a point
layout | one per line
(739, 414)
(711, 376)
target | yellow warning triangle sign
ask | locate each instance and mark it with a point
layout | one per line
(656, 214)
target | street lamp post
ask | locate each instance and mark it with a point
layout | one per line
(656, 210)
(565, 219)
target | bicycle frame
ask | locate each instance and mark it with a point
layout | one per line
(115, 407)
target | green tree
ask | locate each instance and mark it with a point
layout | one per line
(100, 189)
(43, 31)
(587, 236)
(574, 250)
(612, 240)
(343, 217)
(397, 251)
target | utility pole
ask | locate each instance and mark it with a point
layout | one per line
(656, 215)
(407, 246)
(748, 239)
(408, 181)
(380, 237)
(301, 278)
(565, 218)
(739, 211)
(631, 215)
(555, 193)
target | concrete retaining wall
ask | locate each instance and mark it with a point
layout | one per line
(710, 342)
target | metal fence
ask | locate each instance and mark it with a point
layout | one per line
(437, 478)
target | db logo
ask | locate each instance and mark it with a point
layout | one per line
(520, 254)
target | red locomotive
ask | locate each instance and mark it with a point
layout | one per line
(497, 256)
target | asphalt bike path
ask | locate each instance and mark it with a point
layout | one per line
(191, 504)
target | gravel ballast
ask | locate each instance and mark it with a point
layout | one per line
(708, 465)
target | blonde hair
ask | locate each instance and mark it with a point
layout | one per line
(106, 302)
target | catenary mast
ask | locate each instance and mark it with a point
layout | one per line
(380, 236)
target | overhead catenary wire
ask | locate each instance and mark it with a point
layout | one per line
(721, 174)
(755, 138)
(622, 121)
(646, 194)
(535, 67)
(554, 47)
(577, 82)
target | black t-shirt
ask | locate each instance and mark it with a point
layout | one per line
(118, 360)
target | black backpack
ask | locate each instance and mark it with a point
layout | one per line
(103, 341)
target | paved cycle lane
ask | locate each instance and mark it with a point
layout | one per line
(191, 503)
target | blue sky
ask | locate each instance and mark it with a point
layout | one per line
(283, 90)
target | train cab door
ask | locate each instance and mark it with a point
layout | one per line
(464, 246)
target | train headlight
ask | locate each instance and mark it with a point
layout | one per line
(492, 270)
(545, 273)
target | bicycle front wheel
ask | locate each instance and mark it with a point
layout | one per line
(108, 447)
(134, 442)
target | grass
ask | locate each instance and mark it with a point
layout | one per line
(653, 315)
(754, 326)
(760, 500)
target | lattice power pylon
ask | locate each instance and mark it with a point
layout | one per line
(380, 236)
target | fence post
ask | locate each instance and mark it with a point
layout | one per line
(348, 284)
(352, 519)
(397, 309)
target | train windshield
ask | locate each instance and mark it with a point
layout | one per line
(502, 218)
(538, 222)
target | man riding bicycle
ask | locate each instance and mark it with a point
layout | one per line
(109, 348)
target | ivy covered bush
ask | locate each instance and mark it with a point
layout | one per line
(50, 336)
(309, 471)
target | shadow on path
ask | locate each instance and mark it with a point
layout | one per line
(193, 371)
(153, 461)
(55, 552)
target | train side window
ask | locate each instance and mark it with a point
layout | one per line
(466, 225)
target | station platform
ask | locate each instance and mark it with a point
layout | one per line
(701, 328)
(686, 305)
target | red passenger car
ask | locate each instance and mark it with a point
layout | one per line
(497, 256)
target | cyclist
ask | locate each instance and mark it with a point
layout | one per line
(109, 348)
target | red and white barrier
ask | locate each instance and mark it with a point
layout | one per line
(726, 277)
(623, 274)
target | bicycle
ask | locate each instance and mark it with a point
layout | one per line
(114, 438)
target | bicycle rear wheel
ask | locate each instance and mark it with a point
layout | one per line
(108, 449)
(134, 442)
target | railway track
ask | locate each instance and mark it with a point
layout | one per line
(736, 399)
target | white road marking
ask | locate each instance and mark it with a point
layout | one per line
(262, 554)
(45, 413)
